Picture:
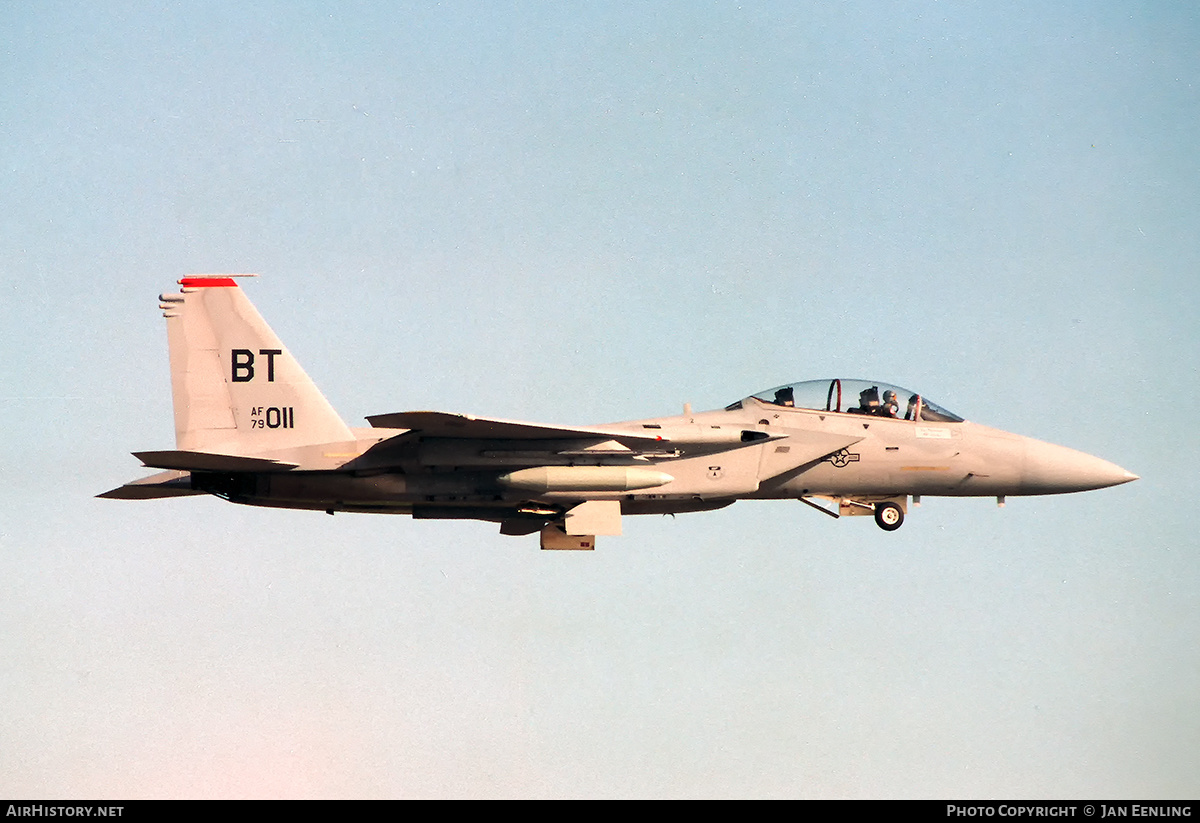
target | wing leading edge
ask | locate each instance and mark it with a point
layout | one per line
(469, 427)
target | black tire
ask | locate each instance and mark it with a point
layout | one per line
(889, 516)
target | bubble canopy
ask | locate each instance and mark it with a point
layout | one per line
(868, 397)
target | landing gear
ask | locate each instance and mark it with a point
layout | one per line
(888, 511)
(888, 516)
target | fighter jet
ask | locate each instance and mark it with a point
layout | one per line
(252, 428)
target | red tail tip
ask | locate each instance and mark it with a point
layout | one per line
(206, 282)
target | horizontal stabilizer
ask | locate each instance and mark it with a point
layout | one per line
(210, 462)
(163, 484)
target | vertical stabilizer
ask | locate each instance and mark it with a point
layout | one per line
(237, 389)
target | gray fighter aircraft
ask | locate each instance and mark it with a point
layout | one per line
(251, 427)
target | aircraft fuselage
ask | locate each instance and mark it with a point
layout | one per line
(251, 427)
(889, 458)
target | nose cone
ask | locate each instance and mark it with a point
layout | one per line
(1051, 469)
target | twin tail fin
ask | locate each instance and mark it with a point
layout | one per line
(236, 388)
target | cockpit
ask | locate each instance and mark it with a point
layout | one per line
(865, 397)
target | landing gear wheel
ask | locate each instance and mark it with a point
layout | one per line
(889, 516)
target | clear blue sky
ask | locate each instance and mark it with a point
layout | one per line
(584, 213)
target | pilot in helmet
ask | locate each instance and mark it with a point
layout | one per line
(890, 407)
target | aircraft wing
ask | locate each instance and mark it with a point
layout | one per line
(444, 424)
(493, 442)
